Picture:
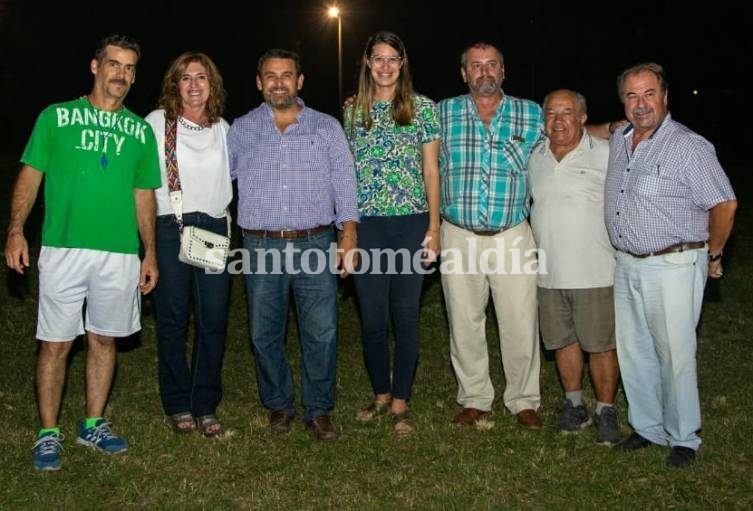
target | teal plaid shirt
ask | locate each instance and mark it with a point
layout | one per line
(484, 171)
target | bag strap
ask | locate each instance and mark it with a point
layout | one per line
(171, 162)
(173, 178)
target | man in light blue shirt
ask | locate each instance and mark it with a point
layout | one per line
(296, 180)
(669, 212)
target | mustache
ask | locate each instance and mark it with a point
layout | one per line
(642, 110)
(119, 81)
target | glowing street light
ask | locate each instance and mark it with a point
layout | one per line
(334, 12)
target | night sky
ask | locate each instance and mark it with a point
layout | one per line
(46, 47)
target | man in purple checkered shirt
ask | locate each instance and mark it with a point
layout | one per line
(296, 180)
(669, 212)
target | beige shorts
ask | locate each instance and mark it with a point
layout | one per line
(585, 316)
(106, 283)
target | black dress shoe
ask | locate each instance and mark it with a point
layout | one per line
(680, 456)
(633, 443)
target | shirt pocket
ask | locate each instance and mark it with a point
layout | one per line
(515, 150)
(650, 185)
(305, 153)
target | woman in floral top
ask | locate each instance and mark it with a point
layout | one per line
(394, 136)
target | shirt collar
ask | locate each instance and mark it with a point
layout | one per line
(298, 100)
(628, 131)
(472, 104)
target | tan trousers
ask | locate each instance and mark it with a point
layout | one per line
(472, 266)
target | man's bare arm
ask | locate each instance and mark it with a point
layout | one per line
(721, 219)
(146, 211)
(24, 195)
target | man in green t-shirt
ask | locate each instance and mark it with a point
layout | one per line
(100, 168)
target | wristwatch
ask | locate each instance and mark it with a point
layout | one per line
(716, 257)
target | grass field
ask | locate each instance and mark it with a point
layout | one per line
(497, 466)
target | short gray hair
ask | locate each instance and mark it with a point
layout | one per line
(580, 99)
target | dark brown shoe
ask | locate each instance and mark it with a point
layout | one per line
(469, 416)
(322, 428)
(529, 419)
(280, 420)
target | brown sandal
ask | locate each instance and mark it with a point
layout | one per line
(373, 410)
(183, 422)
(402, 424)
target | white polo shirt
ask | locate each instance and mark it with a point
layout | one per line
(567, 215)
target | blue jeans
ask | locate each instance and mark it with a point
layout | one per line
(657, 306)
(384, 295)
(197, 388)
(315, 297)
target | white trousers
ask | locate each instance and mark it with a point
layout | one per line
(503, 266)
(658, 303)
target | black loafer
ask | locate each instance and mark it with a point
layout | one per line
(680, 456)
(633, 443)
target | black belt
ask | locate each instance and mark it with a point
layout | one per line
(478, 233)
(485, 233)
(678, 247)
(288, 234)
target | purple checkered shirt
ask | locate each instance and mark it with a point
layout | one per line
(660, 194)
(299, 179)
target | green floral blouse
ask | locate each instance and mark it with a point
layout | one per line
(389, 158)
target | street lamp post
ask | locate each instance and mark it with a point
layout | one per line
(334, 12)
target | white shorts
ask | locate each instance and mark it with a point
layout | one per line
(107, 281)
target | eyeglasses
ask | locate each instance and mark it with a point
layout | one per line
(383, 59)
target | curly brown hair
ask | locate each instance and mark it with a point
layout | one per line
(170, 98)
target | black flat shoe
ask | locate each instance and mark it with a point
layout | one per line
(680, 456)
(633, 443)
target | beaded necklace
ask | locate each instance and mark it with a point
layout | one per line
(189, 125)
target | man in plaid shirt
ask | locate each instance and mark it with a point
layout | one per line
(487, 138)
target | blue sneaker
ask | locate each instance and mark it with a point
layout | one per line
(47, 451)
(101, 437)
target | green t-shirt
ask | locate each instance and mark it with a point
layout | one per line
(92, 161)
